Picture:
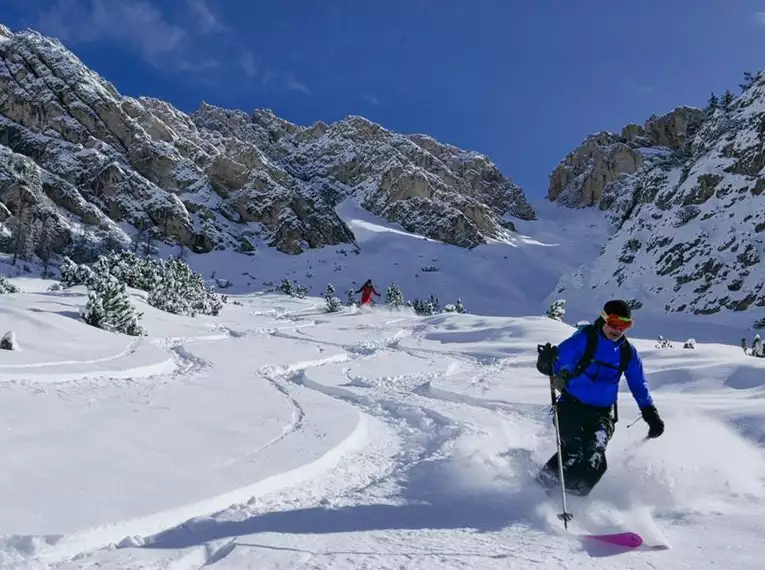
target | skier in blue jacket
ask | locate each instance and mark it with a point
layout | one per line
(588, 395)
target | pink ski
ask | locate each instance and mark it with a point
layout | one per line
(625, 539)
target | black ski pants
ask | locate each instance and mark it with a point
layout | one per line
(585, 432)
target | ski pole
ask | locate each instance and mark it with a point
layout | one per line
(565, 516)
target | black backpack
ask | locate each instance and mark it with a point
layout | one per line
(548, 353)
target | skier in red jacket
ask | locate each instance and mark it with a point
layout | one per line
(367, 289)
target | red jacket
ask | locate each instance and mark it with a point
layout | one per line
(366, 293)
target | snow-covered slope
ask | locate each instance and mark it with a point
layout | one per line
(684, 192)
(84, 168)
(279, 436)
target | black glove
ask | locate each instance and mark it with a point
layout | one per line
(655, 423)
(561, 380)
(546, 355)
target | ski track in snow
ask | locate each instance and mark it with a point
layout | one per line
(434, 474)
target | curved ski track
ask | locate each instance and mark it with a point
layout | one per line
(406, 405)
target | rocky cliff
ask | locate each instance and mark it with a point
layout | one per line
(83, 167)
(684, 192)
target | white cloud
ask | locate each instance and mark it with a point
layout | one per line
(294, 85)
(284, 80)
(372, 99)
(759, 19)
(247, 61)
(208, 21)
(137, 24)
(198, 42)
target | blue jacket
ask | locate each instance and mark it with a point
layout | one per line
(598, 385)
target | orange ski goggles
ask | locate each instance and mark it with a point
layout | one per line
(617, 322)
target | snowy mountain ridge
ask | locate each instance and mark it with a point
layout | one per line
(684, 194)
(83, 167)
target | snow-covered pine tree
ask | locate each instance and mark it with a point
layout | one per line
(425, 307)
(393, 296)
(727, 100)
(748, 81)
(292, 288)
(109, 307)
(350, 301)
(333, 304)
(285, 287)
(713, 104)
(457, 307)
(134, 271)
(73, 274)
(181, 291)
(557, 310)
(7, 287)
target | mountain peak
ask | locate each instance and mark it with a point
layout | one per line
(112, 169)
(683, 191)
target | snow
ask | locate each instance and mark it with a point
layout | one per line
(277, 435)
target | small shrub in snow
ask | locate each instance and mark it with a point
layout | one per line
(8, 342)
(757, 346)
(8, 287)
(429, 269)
(350, 301)
(136, 272)
(333, 304)
(425, 307)
(557, 310)
(662, 342)
(457, 307)
(182, 291)
(171, 284)
(109, 307)
(393, 296)
(690, 343)
(56, 287)
(73, 274)
(292, 288)
(759, 324)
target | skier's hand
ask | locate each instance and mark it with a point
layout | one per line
(561, 379)
(546, 355)
(655, 424)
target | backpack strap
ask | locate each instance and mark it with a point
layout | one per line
(625, 356)
(589, 350)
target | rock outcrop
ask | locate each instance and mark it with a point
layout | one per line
(689, 213)
(83, 168)
(580, 179)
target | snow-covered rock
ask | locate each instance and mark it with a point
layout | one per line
(583, 175)
(688, 212)
(83, 168)
(8, 342)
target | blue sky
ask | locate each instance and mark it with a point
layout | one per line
(523, 81)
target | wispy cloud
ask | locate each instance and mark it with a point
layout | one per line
(193, 39)
(283, 80)
(759, 19)
(137, 24)
(372, 99)
(208, 22)
(247, 61)
(293, 84)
